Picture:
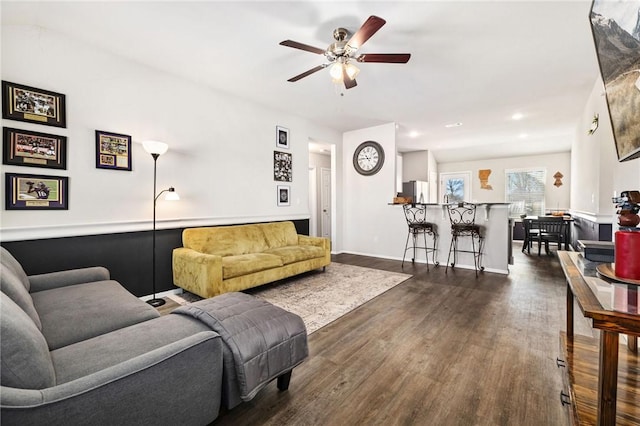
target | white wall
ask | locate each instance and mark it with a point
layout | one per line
(365, 199)
(220, 157)
(596, 170)
(415, 166)
(555, 197)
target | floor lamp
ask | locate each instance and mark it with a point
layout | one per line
(156, 149)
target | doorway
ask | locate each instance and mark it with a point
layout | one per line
(455, 187)
(321, 191)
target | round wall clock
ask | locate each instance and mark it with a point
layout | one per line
(368, 158)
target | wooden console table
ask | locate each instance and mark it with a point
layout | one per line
(611, 323)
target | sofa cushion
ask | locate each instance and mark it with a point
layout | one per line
(113, 348)
(225, 240)
(235, 266)
(24, 356)
(279, 234)
(292, 254)
(7, 259)
(82, 311)
(12, 287)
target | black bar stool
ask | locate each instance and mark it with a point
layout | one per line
(416, 216)
(462, 216)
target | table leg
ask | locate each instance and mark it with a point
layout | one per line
(608, 378)
(569, 312)
(632, 303)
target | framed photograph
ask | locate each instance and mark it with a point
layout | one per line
(617, 52)
(27, 148)
(36, 192)
(24, 103)
(282, 137)
(282, 166)
(284, 193)
(113, 151)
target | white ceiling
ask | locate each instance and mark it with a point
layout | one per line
(475, 62)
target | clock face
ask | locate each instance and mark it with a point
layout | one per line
(368, 158)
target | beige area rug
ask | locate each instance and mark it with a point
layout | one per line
(322, 297)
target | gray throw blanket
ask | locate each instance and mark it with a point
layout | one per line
(265, 341)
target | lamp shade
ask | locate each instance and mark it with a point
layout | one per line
(171, 195)
(155, 147)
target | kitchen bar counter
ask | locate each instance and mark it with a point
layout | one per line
(493, 219)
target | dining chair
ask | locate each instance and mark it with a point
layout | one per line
(531, 232)
(551, 229)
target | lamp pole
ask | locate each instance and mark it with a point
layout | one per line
(155, 302)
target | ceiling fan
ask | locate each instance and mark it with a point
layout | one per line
(342, 51)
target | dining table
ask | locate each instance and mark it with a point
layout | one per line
(533, 224)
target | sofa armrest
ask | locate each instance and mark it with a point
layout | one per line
(66, 278)
(325, 243)
(196, 272)
(186, 374)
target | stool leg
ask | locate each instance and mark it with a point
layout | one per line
(426, 250)
(453, 238)
(473, 252)
(435, 238)
(406, 245)
(415, 242)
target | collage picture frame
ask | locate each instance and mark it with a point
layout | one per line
(282, 166)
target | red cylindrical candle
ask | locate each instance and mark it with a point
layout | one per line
(627, 255)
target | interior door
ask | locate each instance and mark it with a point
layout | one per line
(313, 203)
(455, 187)
(325, 202)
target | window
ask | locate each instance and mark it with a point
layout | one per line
(525, 191)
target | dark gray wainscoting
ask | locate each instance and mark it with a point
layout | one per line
(127, 255)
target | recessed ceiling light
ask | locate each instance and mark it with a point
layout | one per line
(458, 124)
(523, 135)
(517, 116)
(413, 134)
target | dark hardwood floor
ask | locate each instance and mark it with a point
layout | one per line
(438, 349)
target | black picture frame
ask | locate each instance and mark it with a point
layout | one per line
(33, 105)
(282, 166)
(33, 149)
(113, 151)
(283, 195)
(282, 137)
(617, 53)
(36, 192)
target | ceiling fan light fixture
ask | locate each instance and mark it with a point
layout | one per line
(336, 72)
(352, 71)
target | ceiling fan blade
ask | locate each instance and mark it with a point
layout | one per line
(301, 46)
(348, 81)
(306, 73)
(394, 58)
(369, 28)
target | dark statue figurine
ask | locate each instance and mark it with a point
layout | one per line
(629, 204)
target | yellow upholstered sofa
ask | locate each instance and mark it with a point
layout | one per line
(221, 259)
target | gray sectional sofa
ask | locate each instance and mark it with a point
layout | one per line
(78, 348)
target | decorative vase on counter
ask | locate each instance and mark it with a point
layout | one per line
(627, 252)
